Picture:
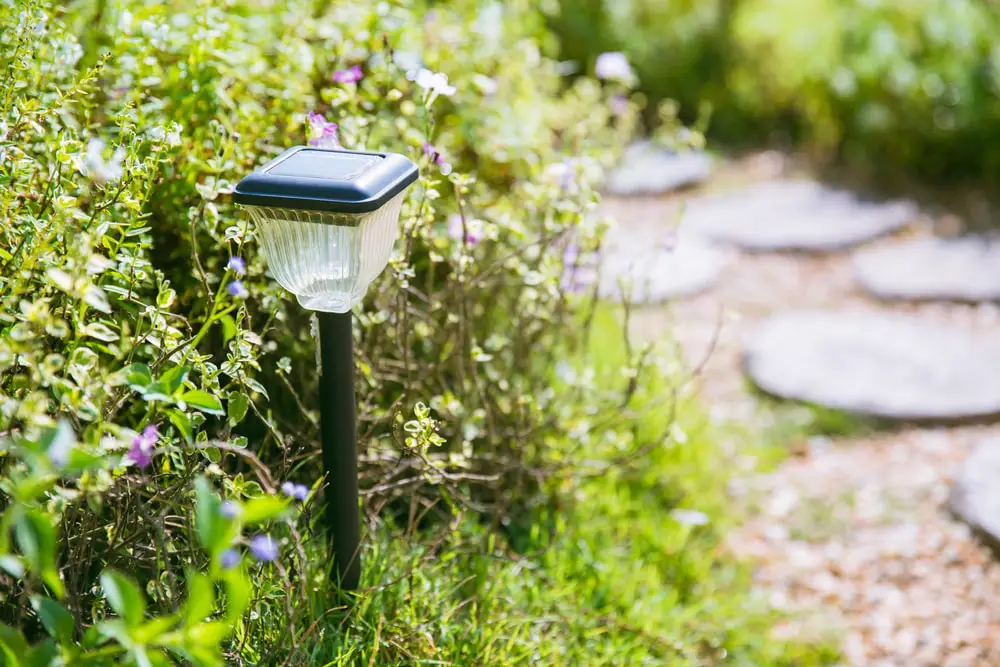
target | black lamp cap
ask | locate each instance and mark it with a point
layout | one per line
(325, 179)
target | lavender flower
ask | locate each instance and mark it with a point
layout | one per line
(351, 75)
(298, 491)
(613, 66)
(236, 289)
(473, 233)
(229, 559)
(264, 548)
(322, 133)
(141, 451)
(229, 509)
(437, 158)
(237, 265)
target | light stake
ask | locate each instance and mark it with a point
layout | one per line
(327, 220)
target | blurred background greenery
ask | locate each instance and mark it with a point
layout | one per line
(895, 88)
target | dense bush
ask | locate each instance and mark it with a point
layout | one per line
(906, 85)
(158, 431)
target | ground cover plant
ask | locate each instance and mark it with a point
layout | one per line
(158, 426)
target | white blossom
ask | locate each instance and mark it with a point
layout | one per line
(434, 82)
(613, 66)
(102, 172)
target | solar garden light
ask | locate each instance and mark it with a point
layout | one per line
(326, 220)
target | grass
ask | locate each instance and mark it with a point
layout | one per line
(604, 575)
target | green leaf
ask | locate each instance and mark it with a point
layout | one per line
(158, 391)
(257, 387)
(182, 423)
(124, 597)
(101, 332)
(237, 594)
(58, 622)
(36, 537)
(237, 407)
(229, 328)
(215, 532)
(174, 377)
(263, 509)
(12, 565)
(202, 400)
(201, 598)
(42, 654)
(138, 376)
(13, 644)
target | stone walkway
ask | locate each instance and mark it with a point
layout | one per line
(852, 534)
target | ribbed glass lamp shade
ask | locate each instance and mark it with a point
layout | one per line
(327, 260)
(326, 220)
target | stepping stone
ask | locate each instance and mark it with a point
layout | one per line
(975, 494)
(646, 273)
(647, 169)
(959, 269)
(794, 215)
(886, 365)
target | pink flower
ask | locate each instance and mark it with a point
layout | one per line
(351, 75)
(322, 133)
(141, 451)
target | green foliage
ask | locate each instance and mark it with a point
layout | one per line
(151, 410)
(909, 85)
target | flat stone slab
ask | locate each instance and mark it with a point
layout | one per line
(794, 215)
(885, 365)
(975, 493)
(958, 269)
(646, 271)
(647, 169)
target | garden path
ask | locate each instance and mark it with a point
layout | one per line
(851, 534)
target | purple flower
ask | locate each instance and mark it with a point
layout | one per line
(298, 491)
(237, 289)
(579, 269)
(473, 234)
(322, 133)
(613, 66)
(229, 509)
(264, 548)
(237, 265)
(437, 158)
(141, 451)
(350, 75)
(229, 559)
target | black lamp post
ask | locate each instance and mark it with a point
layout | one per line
(326, 220)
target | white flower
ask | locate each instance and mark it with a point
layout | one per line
(689, 517)
(102, 172)
(3, 131)
(174, 135)
(613, 66)
(157, 133)
(435, 82)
